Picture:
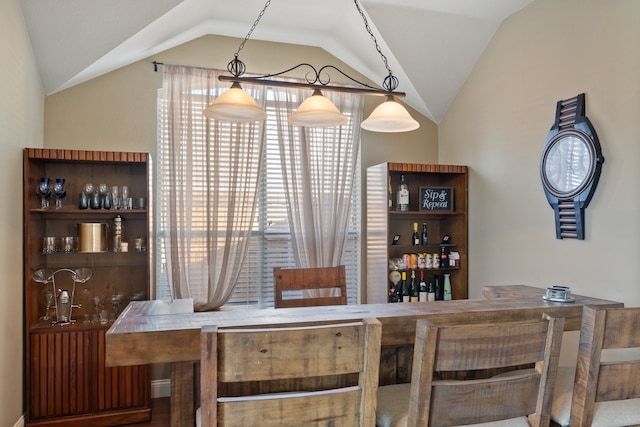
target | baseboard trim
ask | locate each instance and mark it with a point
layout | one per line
(20, 422)
(160, 388)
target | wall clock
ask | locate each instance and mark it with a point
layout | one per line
(570, 166)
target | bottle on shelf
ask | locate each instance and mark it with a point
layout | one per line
(424, 237)
(406, 294)
(118, 232)
(415, 239)
(422, 293)
(439, 288)
(436, 261)
(431, 290)
(447, 288)
(393, 293)
(403, 195)
(413, 288)
(444, 257)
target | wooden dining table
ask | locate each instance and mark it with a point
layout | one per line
(149, 332)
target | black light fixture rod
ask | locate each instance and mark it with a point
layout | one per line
(312, 86)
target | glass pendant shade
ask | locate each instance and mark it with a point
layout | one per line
(235, 105)
(317, 111)
(390, 116)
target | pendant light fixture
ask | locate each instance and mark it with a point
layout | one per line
(237, 105)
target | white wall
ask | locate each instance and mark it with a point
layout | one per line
(21, 125)
(551, 50)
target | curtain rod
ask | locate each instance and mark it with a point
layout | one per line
(156, 63)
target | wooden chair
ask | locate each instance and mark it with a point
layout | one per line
(316, 286)
(522, 397)
(321, 375)
(603, 393)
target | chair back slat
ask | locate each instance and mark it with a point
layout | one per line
(474, 346)
(295, 409)
(619, 380)
(484, 400)
(315, 286)
(621, 329)
(265, 354)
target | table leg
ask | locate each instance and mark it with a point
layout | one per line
(182, 394)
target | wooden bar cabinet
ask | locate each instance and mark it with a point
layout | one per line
(66, 380)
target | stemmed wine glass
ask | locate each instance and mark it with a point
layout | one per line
(47, 299)
(105, 200)
(87, 189)
(44, 191)
(60, 192)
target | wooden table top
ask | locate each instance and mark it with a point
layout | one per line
(161, 332)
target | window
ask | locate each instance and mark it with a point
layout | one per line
(270, 241)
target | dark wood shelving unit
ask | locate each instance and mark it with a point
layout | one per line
(66, 380)
(384, 222)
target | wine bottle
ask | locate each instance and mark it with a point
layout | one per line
(403, 195)
(422, 296)
(431, 290)
(406, 294)
(415, 239)
(425, 238)
(439, 288)
(413, 287)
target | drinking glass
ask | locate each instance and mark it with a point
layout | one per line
(87, 188)
(126, 200)
(60, 192)
(44, 191)
(47, 299)
(103, 190)
(115, 197)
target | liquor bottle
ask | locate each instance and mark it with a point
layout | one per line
(406, 294)
(431, 290)
(415, 239)
(403, 195)
(439, 288)
(425, 238)
(447, 287)
(444, 257)
(422, 296)
(413, 287)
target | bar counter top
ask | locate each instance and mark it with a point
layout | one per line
(160, 332)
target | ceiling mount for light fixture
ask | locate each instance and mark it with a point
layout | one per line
(316, 111)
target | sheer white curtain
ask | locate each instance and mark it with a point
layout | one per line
(319, 166)
(210, 188)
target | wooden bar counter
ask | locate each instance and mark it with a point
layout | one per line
(158, 332)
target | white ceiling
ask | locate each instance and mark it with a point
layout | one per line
(431, 45)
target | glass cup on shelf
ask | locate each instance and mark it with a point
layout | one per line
(103, 191)
(115, 197)
(44, 191)
(49, 245)
(126, 200)
(60, 192)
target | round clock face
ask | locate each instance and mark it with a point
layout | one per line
(568, 163)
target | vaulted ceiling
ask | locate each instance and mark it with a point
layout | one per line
(431, 45)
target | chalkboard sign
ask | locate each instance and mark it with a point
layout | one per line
(436, 199)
